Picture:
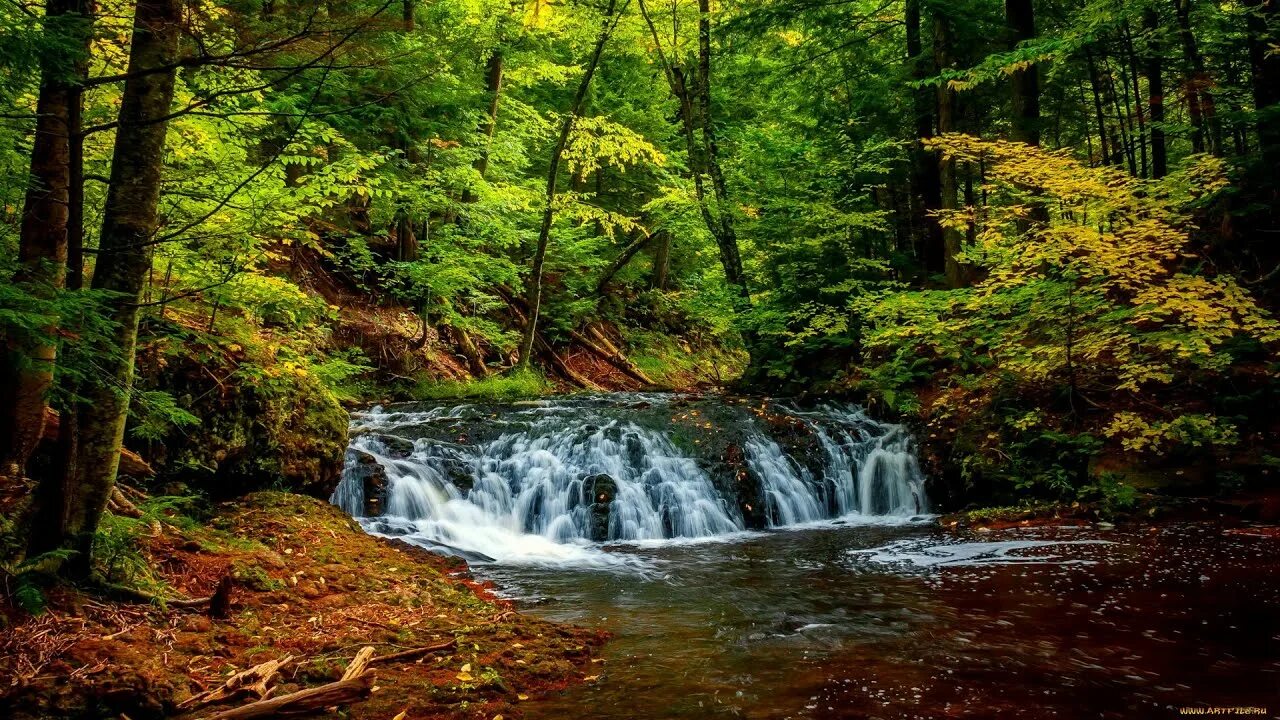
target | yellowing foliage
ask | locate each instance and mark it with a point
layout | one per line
(1090, 300)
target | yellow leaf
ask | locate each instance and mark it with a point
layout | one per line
(522, 697)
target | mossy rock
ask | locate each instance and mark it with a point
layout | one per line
(285, 433)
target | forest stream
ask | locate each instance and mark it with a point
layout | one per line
(764, 559)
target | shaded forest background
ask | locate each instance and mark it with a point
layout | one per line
(1043, 233)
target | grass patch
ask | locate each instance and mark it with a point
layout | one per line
(515, 385)
(671, 365)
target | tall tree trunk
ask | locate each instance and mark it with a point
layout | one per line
(661, 260)
(1095, 84)
(533, 298)
(129, 223)
(1134, 85)
(952, 238)
(1196, 83)
(1153, 52)
(493, 90)
(42, 243)
(1025, 82)
(727, 238)
(926, 178)
(1263, 24)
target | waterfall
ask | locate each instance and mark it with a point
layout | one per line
(548, 479)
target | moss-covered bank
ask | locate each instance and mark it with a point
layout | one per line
(308, 582)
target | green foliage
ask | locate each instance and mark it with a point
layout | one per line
(515, 385)
(1075, 324)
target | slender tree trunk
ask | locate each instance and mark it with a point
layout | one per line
(1135, 85)
(28, 362)
(1196, 81)
(1154, 61)
(130, 220)
(1025, 83)
(952, 238)
(1263, 24)
(1095, 85)
(661, 260)
(534, 290)
(727, 238)
(926, 178)
(493, 89)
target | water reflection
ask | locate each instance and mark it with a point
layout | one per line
(902, 622)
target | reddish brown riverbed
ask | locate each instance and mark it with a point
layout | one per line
(1134, 623)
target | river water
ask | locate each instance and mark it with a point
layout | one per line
(1043, 623)
(842, 599)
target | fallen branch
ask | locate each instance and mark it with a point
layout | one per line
(359, 663)
(253, 681)
(415, 653)
(614, 358)
(341, 692)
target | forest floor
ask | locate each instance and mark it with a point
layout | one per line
(308, 583)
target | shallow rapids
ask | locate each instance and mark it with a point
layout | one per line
(549, 482)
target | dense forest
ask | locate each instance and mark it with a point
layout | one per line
(1045, 235)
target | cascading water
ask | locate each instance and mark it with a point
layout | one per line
(542, 481)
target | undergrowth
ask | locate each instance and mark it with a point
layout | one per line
(515, 385)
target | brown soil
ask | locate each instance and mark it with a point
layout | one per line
(308, 583)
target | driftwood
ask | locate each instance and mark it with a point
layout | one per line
(359, 663)
(414, 653)
(611, 356)
(341, 692)
(253, 681)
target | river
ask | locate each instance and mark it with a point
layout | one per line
(843, 599)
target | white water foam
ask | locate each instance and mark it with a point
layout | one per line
(526, 496)
(928, 553)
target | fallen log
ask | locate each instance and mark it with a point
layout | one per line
(415, 653)
(614, 358)
(340, 692)
(561, 366)
(253, 681)
(359, 663)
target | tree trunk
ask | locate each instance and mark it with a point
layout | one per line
(1095, 85)
(129, 224)
(727, 238)
(1135, 85)
(952, 239)
(493, 89)
(534, 291)
(624, 257)
(42, 243)
(1196, 82)
(1025, 82)
(1264, 70)
(926, 179)
(661, 260)
(1153, 53)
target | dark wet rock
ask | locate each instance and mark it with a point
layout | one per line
(396, 447)
(600, 489)
(372, 477)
